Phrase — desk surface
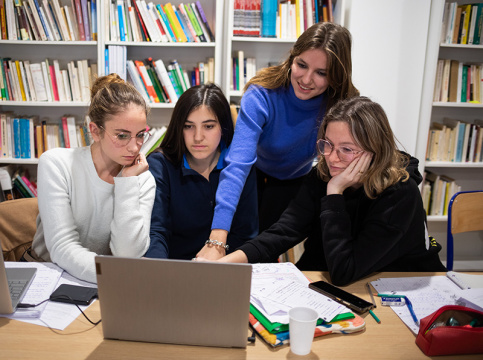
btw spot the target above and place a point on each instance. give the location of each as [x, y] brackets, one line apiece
[390, 339]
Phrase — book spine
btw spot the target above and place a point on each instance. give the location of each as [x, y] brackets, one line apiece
[80, 19]
[205, 21]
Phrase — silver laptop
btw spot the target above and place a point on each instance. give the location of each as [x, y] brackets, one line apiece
[174, 301]
[14, 283]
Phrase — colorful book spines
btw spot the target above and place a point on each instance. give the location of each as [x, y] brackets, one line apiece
[47, 20]
[165, 23]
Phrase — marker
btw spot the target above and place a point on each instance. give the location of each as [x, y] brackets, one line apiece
[374, 316]
[411, 310]
[373, 303]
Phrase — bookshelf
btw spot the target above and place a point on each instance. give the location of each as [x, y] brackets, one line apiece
[266, 50]
[469, 175]
[187, 54]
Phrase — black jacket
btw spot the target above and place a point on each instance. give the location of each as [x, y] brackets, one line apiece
[351, 235]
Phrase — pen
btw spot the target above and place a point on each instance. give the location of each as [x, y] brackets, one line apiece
[391, 295]
[373, 303]
[411, 310]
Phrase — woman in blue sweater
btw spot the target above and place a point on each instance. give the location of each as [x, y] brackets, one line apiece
[276, 129]
[187, 169]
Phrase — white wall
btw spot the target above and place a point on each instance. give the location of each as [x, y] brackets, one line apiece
[388, 58]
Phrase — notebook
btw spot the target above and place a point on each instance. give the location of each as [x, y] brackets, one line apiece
[13, 286]
[174, 301]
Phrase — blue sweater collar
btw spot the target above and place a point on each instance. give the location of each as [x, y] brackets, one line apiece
[310, 104]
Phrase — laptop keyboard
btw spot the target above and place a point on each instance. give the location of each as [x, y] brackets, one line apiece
[16, 287]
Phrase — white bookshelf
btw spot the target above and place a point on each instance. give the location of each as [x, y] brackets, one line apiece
[187, 54]
[469, 175]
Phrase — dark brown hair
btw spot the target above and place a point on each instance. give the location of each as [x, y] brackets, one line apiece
[209, 95]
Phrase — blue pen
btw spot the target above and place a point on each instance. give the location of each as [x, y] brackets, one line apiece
[411, 310]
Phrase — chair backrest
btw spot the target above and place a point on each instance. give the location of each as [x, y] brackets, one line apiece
[17, 226]
[465, 213]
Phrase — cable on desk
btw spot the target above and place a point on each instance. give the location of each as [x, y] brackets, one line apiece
[26, 306]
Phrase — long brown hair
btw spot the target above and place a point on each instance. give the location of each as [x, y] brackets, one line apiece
[371, 131]
[332, 38]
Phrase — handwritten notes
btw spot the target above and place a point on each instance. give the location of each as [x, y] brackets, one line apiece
[278, 287]
[427, 294]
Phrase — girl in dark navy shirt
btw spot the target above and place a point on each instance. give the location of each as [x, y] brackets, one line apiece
[187, 168]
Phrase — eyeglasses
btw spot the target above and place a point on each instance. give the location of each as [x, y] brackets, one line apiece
[345, 153]
[122, 139]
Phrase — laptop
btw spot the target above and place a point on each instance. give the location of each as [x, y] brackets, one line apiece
[14, 283]
[174, 301]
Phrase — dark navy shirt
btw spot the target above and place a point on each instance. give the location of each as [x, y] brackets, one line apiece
[184, 206]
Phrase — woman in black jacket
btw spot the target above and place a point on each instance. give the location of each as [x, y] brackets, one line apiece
[360, 208]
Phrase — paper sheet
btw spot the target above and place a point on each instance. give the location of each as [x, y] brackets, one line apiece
[427, 294]
[42, 285]
[278, 287]
[50, 314]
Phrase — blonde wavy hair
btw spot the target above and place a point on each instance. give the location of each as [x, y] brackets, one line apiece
[371, 131]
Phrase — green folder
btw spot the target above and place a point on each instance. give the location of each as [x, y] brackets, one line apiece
[279, 327]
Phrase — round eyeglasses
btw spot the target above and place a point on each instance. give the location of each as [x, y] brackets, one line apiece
[122, 138]
[344, 153]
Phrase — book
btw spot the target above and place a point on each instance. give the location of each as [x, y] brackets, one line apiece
[163, 76]
[146, 81]
[199, 7]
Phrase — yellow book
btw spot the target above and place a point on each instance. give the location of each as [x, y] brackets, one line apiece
[20, 81]
[466, 24]
[297, 16]
[178, 31]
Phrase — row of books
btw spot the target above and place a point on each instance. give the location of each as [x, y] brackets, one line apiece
[27, 137]
[157, 82]
[457, 81]
[157, 135]
[243, 70]
[16, 183]
[280, 19]
[21, 80]
[135, 20]
[48, 20]
[436, 192]
[455, 141]
[462, 23]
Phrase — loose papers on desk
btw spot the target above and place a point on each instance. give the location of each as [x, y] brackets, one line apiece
[278, 287]
[55, 315]
[426, 293]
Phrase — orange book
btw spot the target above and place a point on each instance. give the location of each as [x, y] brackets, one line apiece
[39, 140]
[146, 80]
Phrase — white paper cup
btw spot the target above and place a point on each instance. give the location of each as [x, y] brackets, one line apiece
[302, 322]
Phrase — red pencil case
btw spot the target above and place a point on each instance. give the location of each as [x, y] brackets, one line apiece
[451, 330]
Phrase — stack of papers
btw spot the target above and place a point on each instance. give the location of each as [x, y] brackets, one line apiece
[278, 287]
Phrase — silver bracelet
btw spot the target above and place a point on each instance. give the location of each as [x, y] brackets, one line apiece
[217, 243]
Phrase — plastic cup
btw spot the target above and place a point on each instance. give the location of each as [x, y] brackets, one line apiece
[302, 322]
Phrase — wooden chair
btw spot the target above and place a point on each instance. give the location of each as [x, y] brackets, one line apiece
[465, 213]
[17, 226]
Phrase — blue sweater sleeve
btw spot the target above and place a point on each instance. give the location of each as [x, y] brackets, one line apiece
[160, 217]
[241, 156]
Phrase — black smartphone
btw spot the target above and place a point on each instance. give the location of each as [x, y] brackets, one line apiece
[74, 294]
[351, 301]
